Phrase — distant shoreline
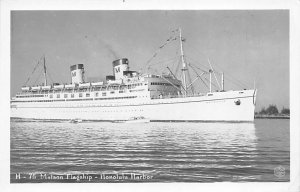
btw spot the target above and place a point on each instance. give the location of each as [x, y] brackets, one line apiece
[272, 116]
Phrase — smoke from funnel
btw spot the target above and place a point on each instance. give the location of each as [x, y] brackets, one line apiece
[110, 49]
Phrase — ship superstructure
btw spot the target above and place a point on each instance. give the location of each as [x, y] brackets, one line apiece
[127, 94]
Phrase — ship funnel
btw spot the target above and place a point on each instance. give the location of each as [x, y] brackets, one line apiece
[119, 66]
[77, 73]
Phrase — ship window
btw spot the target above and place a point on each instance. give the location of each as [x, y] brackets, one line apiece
[80, 94]
[97, 94]
[104, 94]
[65, 95]
[51, 96]
[87, 95]
[72, 95]
[121, 91]
[58, 96]
[112, 92]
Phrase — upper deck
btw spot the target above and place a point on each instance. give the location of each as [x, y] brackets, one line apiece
[147, 86]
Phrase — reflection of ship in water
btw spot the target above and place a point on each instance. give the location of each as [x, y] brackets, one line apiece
[211, 136]
[170, 152]
[215, 145]
[127, 93]
[75, 121]
[139, 119]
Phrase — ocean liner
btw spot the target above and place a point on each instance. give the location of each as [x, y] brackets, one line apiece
[129, 94]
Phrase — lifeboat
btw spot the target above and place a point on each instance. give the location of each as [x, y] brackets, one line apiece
[70, 86]
[116, 82]
[97, 83]
[35, 88]
[84, 85]
[47, 87]
[25, 88]
[59, 86]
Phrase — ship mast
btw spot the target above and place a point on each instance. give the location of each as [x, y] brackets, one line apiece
[183, 63]
[45, 71]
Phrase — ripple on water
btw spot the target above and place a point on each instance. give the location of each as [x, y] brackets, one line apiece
[171, 152]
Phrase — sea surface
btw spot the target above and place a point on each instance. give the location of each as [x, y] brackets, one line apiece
[59, 151]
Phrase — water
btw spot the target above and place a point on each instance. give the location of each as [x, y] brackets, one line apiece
[150, 152]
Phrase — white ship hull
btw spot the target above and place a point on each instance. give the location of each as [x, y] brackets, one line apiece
[127, 94]
[221, 106]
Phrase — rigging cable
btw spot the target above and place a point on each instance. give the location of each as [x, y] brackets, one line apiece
[38, 77]
[199, 76]
[162, 63]
[209, 82]
[228, 77]
[49, 74]
[203, 77]
[214, 73]
[158, 50]
[189, 77]
[233, 80]
[241, 84]
[33, 71]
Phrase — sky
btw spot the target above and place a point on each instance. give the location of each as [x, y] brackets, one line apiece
[250, 46]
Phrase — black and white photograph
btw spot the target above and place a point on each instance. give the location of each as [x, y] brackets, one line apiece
[145, 95]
